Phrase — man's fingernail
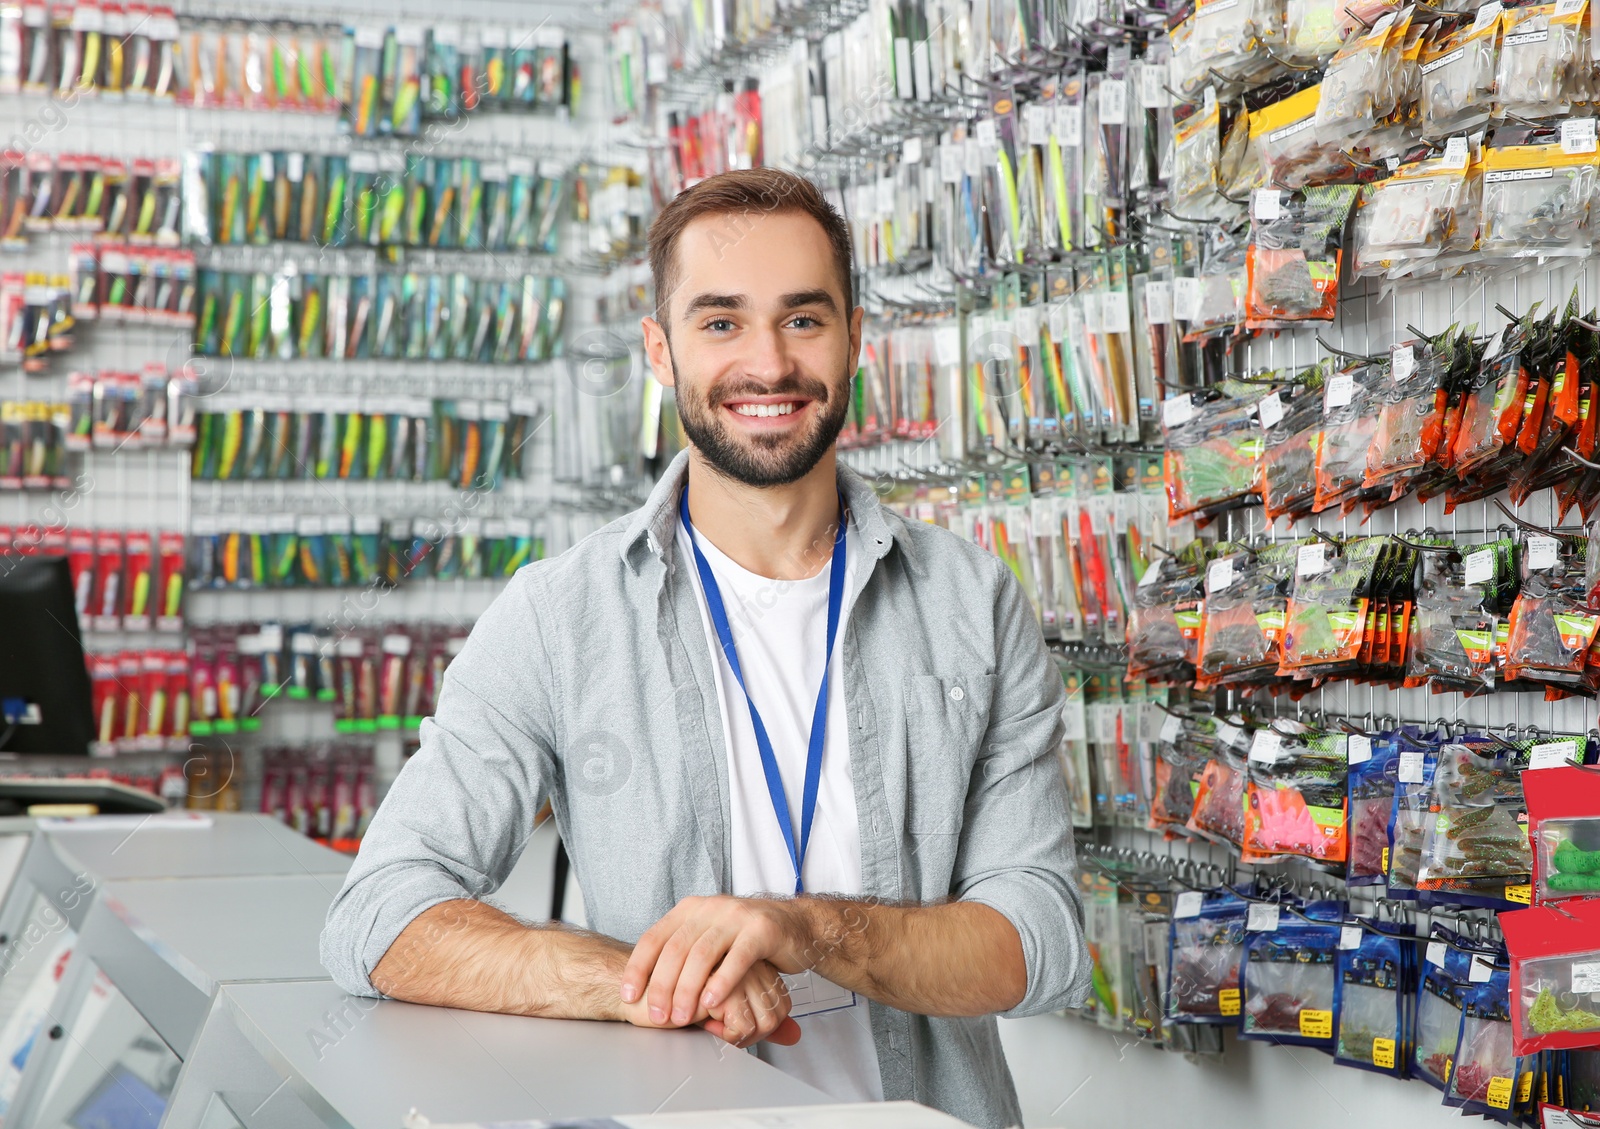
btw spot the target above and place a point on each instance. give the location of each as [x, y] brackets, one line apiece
[658, 1015]
[629, 993]
[708, 1000]
[680, 1016]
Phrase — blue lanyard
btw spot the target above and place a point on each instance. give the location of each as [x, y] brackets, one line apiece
[819, 719]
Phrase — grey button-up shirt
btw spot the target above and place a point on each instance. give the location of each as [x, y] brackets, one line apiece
[590, 683]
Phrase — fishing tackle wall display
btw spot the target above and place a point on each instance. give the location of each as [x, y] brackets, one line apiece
[285, 307]
[1259, 341]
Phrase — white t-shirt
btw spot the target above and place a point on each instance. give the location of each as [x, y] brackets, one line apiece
[779, 630]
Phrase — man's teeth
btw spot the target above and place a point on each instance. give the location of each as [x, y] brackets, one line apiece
[764, 409]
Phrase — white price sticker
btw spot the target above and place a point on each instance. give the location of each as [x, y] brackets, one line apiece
[1270, 410]
[1480, 566]
[1266, 204]
[1158, 302]
[1113, 101]
[1340, 391]
[1487, 15]
[1350, 937]
[1036, 123]
[947, 345]
[1219, 575]
[1311, 559]
[1568, 7]
[1115, 316]
[1585, 977]
[1411, 767]
[1069, 124]
[1152, 88]
[1577, 135]
[1262, 917]
[1186, 298]
[1435, 956]
[950, 163]
[1359, 749]
[1229, 734]
[1552, 754]
[1187, 904]
[1402, 362]
[1177, 410]
[911, 151]
[1481, 969]
[1265, 745]
[1170, 729]
[986, 131]
[1542, 553]
[1455, 154]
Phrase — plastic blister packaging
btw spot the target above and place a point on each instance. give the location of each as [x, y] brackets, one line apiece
[1458, 77]
[1376, 980]
[1484, 1076]
[1206, 953]
[1285, 141]
[1443, 978]
[1555, 975]
[1543, 58]
[1374, 762]
[1296, 249]
[1564, 825]
[1476, 832]
[1290, 983]
[1537, 199]
[1360, 86]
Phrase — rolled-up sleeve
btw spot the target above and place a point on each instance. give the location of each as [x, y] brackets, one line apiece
[460, 812]
[1016, 853]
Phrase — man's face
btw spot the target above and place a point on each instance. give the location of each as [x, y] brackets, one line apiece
[762, 347]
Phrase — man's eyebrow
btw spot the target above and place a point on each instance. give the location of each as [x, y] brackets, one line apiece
[713, 302]
[817, 297]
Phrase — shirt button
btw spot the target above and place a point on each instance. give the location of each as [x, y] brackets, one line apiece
[956, 693]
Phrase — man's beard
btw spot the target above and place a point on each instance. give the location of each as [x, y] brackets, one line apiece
[763, 459]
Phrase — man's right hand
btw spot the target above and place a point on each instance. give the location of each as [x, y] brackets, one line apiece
[756, 1011]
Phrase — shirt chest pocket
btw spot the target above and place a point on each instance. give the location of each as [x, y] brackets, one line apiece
[946, 719]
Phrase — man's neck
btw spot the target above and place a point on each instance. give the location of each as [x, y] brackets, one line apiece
[780, 532]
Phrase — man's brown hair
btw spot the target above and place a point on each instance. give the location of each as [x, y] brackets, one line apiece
[743, 197]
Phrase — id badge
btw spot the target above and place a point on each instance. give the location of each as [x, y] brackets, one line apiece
[810, 994]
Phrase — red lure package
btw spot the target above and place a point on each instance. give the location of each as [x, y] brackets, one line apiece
[1555, 975]
[1564, 828]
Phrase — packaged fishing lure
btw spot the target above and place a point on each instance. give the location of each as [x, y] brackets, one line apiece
[1479, 828]
[1484, 1075]
[1284, 138]
[1207, 950]
[1246, 598]
[1537, 196]
[1197, 149]
[1290, 981]
[1164, 626]
[1361, 86]
[1456, 621]
[1458, 77]
[1349, 425]
[1443, 981]
[1377, 987]
[1218, 813]
[1313, 29]
[1551, 626]
[1327, 613]
[1410, 422]
[1555, 975]
[1564, 824]
[1408, 220]
[1295, 253]
[1374, 762]
[1295, 800]
[1542, 58]
[1211, 461]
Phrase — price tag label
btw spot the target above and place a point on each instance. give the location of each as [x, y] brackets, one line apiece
[1152, 86]
[1177, 410]
[1113, 101]
[1036, 121]
[1480, 566]
[1262, 917]
[1481, 969]
[1585, 977]
[1411, 766]
[1187, 904]
[1340, 390]
[1577, 135]
[1265, 745]
[1435, 954]
[1219, 575]
[1359, 748]
[1455, 154]
[1069, 124]
[1228, 734]
[911, 151]
[1115, 316]
[1350, 937]
[1383, 1054]
[1171, 729]
[1402, 363]
[1498, 1094]
[1186, 298]
[1542, 553]
[986, 135]
[1552, 754]
[1270, 410]
[1522, 895]
[1152, 573]
[1316, 1024]
[1487, 15]
[1266, 204]
[947, 345]
[950, 163]
[1228, 1002]
[1158, 302]
[1311, 559]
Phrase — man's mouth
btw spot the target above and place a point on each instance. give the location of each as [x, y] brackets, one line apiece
[766, 409]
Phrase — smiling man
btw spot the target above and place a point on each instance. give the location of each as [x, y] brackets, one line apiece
[801, 751]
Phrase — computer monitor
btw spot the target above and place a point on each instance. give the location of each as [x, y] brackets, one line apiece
[45, 705]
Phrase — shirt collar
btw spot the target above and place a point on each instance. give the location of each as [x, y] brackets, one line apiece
[652, 525]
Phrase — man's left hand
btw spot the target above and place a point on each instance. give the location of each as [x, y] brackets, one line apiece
[692, 958]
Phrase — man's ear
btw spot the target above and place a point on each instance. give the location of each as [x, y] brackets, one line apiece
[856, 316]
[657, 350]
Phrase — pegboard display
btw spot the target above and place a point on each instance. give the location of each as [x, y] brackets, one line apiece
[1258, 340]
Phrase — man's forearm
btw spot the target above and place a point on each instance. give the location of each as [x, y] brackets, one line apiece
[951, 959]
[470, 955]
